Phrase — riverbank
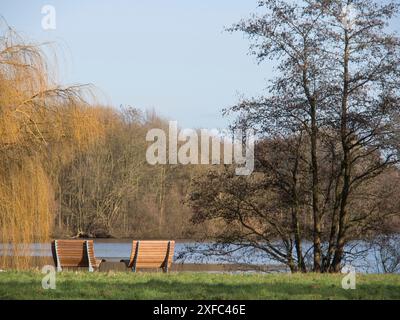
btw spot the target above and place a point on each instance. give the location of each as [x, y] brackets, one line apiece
[194, 256]
[111, 265]
[188, 285]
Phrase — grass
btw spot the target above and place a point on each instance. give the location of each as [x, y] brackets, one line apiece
[123, 285]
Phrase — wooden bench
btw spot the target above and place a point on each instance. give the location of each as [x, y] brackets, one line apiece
[74, 253]
[151, 255]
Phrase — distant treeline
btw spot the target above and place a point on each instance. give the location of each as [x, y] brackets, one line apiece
[73, 168]
[109, 189]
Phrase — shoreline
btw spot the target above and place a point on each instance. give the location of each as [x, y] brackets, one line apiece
[115, 265]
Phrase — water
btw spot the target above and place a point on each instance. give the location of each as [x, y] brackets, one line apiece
[209, 253]
[107, 249]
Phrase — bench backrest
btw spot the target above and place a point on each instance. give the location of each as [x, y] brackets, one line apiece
[151, 254]
[73, 253]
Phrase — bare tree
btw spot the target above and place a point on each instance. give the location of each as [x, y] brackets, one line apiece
[338, 84]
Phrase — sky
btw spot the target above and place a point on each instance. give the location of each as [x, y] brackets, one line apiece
[171, 56]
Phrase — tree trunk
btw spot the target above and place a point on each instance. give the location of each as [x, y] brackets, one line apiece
[161, 203]
[314, 169]
[295, 221]
[346, 163]
[315, 190]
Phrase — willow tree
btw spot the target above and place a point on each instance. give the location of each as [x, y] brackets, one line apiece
[40, 123]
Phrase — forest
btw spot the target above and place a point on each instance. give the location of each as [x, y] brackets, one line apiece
[73, 168]
[326, 156]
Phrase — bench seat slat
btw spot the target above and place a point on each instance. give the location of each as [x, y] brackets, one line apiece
[74, 253]
[152, 254]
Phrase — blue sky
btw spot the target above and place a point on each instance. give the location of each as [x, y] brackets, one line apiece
[173, 56]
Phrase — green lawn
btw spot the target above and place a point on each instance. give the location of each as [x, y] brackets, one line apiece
[123, 285]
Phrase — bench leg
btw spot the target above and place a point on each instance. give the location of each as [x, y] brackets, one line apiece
[165, 269]
[58, 263]
[136, 256]
[90, 266]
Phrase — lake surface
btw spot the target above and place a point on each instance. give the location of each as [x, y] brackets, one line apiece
[201, 253]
